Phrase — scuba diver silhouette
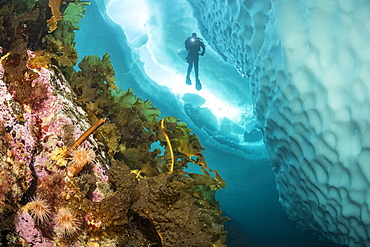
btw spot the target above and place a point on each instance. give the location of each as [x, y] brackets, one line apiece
[193, 45]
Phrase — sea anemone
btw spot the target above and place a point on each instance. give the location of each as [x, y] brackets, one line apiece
[39, 209]
[65, 222]
[79, 158]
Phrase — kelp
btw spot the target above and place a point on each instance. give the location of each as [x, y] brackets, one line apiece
[56, 15]
[133, 127]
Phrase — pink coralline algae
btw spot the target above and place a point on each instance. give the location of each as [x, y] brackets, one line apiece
[32, 129]
[25, 226]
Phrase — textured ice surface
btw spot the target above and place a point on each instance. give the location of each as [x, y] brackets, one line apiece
[308, 63]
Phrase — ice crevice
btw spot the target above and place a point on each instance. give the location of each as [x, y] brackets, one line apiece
[154, 36]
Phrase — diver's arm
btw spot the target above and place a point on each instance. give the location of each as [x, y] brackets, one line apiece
[203, 48]
[187, 43]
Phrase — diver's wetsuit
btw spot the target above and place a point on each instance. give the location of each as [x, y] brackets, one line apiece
[193, 45]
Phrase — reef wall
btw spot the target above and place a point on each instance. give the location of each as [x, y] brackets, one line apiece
[83, 162]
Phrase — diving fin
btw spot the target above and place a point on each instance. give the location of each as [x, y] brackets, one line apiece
[198, 85]
[188, 81]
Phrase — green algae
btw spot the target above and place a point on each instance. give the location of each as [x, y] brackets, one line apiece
[182, 198]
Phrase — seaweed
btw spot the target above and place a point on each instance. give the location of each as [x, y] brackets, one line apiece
[168, 198]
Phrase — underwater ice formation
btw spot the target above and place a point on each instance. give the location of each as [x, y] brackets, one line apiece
[307, 62]
[222, 111]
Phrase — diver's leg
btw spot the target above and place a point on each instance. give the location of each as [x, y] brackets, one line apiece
[198, 85]
[190, 67]
[196, 68]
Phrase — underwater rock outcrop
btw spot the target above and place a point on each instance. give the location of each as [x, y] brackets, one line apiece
[83, 162]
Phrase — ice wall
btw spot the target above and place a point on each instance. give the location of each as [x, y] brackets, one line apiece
[307, 62]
